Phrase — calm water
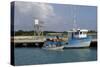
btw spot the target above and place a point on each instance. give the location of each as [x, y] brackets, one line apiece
[27, 56]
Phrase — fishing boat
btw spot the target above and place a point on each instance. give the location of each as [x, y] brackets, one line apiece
[78, 38]
[53, 44]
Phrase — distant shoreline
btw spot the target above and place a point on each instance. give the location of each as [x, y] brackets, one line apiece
[30, 33]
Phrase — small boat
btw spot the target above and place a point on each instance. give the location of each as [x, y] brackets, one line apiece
[78, 38]
[53, 44]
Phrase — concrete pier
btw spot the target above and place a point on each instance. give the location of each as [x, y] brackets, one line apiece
[28, 41]
[39, 45]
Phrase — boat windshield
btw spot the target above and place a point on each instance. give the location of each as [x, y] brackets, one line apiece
[76, 33]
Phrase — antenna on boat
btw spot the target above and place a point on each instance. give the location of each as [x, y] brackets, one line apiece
[74, 18]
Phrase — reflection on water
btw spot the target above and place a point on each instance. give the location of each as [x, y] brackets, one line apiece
[26, 56]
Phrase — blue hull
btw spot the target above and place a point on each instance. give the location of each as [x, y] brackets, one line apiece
[76, 43]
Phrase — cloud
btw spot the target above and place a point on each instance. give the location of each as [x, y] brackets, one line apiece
[37, 10]
[55, 17]
[26, 12]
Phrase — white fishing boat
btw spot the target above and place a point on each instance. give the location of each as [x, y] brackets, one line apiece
[77, 37]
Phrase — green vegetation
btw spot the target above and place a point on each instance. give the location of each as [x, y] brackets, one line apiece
[31, 33]
[92, 32]
[24, 33]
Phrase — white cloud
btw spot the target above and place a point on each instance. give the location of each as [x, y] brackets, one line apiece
[38, 10]
[26, 12]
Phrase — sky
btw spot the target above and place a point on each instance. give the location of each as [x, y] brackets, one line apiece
[55, 17]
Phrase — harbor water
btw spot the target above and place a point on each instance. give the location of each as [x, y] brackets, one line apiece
[31, 56]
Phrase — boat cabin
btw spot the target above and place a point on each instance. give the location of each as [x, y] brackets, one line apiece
[78, 33]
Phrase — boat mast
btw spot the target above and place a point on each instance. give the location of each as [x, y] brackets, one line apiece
[74, 18]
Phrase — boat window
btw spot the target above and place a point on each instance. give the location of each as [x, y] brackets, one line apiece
[76, 33]
[84, 32]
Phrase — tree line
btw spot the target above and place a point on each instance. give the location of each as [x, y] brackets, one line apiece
[31, 33]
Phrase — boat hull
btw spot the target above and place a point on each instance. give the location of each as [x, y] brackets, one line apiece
[78, 45]
[53, 48]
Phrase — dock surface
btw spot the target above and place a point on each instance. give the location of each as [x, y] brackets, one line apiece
[28, 39]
